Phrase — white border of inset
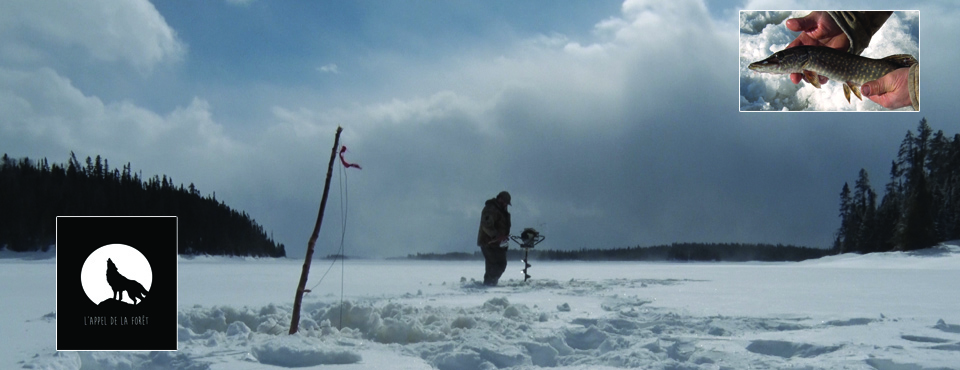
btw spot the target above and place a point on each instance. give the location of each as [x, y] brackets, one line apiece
[739, 75]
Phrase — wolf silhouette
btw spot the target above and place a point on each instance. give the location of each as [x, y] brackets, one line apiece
[119, 284]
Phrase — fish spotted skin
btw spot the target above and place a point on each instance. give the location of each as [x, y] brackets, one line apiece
[851, 70]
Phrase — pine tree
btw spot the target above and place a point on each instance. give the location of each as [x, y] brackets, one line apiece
[7, 163]
[915, 230]
[33, 193]
[98, 168]
[88, 171]
[844, 236]
[864, 206]
[943, 178]
[73, 167]
[888, 213]
[952, 190]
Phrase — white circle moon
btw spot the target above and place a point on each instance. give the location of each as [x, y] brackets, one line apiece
[130, 263]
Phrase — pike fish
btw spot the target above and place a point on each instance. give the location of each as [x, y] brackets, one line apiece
[851, 70]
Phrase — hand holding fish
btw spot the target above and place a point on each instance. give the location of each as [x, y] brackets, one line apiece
[890, 91]
[829, 47]
[816, 29]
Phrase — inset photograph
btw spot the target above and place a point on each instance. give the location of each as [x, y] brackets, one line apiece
[829, 61]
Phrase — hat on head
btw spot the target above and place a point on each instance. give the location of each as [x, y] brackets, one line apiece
[504, 196]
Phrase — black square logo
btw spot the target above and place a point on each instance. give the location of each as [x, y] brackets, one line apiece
[116, 283]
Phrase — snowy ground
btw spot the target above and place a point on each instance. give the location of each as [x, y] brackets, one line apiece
[763, 33]
[884, 311]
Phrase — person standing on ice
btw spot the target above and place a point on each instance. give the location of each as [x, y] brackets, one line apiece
[494, 230]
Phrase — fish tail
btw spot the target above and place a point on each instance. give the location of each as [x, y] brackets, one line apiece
[901, 60]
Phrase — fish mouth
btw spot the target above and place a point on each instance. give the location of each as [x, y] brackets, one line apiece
[769, 64]
[763, 66]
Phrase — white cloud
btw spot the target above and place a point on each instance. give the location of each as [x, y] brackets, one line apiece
[781, 5]
[46, 115]
[131, 31]
[240, 2]
[329, 68]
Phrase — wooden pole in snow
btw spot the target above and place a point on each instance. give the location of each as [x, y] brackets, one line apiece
[295, 321]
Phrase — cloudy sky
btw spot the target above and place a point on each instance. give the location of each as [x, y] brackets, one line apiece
[612, 123]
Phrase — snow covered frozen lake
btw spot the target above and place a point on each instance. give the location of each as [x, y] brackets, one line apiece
[882, 311]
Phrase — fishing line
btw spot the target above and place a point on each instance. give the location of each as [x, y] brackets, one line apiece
[343, 232]
[344, 198]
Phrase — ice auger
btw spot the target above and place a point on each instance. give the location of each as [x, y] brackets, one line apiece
[527, 240]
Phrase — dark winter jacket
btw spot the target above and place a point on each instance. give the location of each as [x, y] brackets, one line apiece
[494, 223]
[859, 26]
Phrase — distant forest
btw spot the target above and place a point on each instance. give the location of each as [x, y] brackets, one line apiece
[33, 193]
[921, 203]
[694, 252]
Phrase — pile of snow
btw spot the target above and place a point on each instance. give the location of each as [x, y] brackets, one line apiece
[764, 33]
[924, 258]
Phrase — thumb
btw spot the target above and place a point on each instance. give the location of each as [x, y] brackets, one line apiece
[876, 87]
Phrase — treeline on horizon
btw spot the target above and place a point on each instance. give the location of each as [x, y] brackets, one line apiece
[921, 202]
[33, 193]
[684, 252]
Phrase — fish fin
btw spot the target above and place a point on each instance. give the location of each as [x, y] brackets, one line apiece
[855, 89]
[812, 78]
[846, 92]
[902, 60]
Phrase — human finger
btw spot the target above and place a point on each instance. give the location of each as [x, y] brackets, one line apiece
[890, 91]
[804, 23]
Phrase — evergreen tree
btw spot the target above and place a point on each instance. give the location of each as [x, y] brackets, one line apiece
[888, 213]
[844, 235]
[943, 177]
[915, 230]
[32, 194]
[952, 190]
[98, 168]
[864, 207]
[921, 205]
[73, 168]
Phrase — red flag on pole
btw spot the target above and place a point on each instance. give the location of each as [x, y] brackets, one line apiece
[344, 161]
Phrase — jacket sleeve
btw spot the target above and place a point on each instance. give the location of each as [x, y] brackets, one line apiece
[913, 84]
[859, 26]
